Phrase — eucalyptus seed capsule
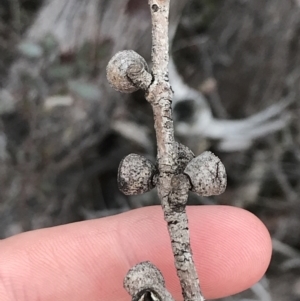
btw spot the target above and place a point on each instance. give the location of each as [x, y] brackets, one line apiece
[135, 175]
[125, 70]
[184, 156]
[207, 174]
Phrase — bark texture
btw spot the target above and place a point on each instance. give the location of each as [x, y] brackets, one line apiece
[159, 95]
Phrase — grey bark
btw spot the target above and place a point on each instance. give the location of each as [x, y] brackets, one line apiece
[172, 190]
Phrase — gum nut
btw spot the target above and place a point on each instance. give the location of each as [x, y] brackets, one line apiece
[207, 174]
[185, 155]
[116, 71]
[143, 275]
[135, 175]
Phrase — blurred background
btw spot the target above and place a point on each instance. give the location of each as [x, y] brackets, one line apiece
[63, 130]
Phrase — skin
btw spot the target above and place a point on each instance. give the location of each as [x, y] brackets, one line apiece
[88, 260]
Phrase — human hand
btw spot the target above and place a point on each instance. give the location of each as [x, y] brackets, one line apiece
[88, 260]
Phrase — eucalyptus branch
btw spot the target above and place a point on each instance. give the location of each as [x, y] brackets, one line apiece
[177, 170]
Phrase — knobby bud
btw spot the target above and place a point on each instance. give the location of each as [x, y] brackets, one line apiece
[135, 175]
[128, 72]
[207, 174]
[184, 156]
[144, 282]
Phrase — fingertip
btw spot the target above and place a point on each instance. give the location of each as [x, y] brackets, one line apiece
[231, 248]
[239, 251]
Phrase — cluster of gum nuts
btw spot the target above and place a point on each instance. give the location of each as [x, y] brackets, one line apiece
[137, 174]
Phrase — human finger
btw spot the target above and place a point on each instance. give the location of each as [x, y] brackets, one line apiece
[88, 260]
